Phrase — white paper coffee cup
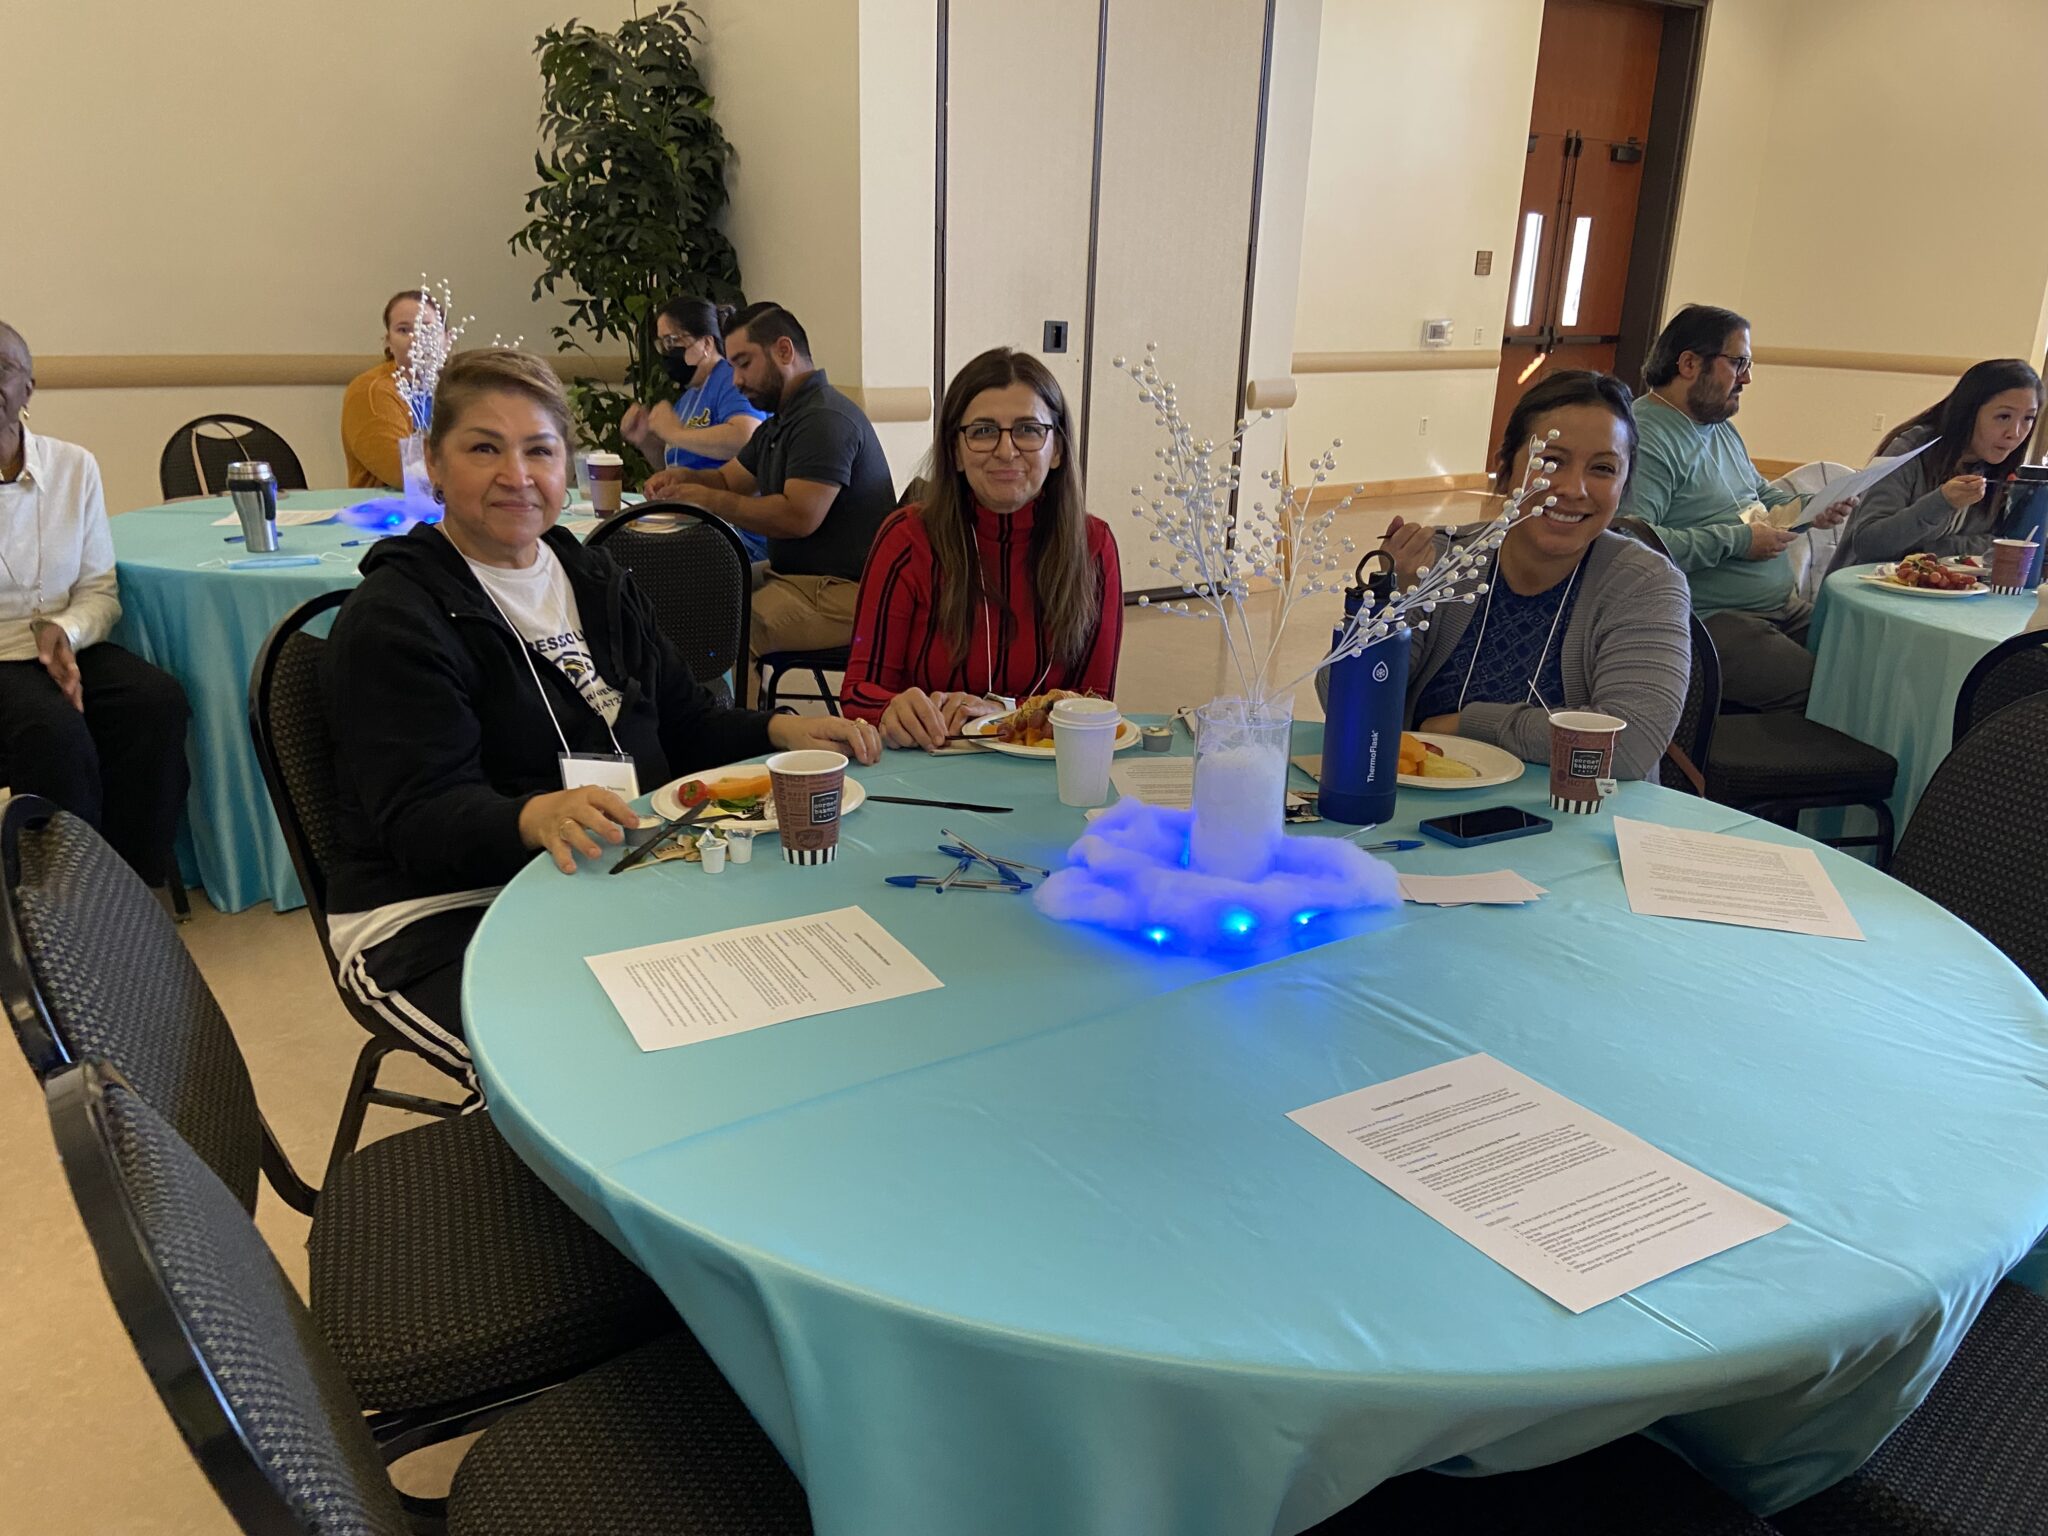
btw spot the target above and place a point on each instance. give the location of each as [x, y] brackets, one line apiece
[1083, 742]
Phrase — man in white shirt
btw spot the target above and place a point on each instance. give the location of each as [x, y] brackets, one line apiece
[82, 722]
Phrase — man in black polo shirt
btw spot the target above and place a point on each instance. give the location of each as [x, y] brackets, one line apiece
[812, 480]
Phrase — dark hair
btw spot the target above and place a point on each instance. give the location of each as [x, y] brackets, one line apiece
[697, 317]
[419, 295]
[469, 377]
[1700, 328]
[1064, 582]
[1954, 416]
[1572, 386]
[768, 323]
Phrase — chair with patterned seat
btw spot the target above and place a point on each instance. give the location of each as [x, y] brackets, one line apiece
[2007, 673]
[1968, 1461]
[1776, 766]
[1977, 843]
[195, 461]
[288, 727]
[1631, 1487]
[695, 572]
[446, 1277]
[652, 1441]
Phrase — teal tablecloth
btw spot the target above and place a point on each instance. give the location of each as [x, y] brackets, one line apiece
[203, 622]
[1888, 665]
[1040, 1252]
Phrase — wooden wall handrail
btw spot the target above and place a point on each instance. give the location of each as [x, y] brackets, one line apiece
[224, 370]
[1861, 362]
[217, 370]
[1442, 358]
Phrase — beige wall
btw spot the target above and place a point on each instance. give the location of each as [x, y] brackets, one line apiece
[1859, 181]
[249, 177]
[1421, 119]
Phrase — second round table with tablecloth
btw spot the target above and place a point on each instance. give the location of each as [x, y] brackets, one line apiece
[1040, 1250]
[1888, 666]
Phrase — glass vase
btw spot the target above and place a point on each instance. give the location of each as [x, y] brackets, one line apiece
[419, 490]
[1241, 748]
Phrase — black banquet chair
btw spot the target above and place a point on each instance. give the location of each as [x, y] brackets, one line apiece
[445, 1276]
[654, 1440]
[695, 571]
[288, 726]
[1776, 766]
[195, 461]
[1977, 843]
[1968, 1461]
[1684, 764]
[2007, 673]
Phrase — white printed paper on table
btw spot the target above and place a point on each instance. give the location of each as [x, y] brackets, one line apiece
[1568, 1201]
[287, 517]
[1710, 877]
[1168, 781]
[686, 990]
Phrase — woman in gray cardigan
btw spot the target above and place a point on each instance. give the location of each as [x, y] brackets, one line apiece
[1942, 503]
[1573, 617]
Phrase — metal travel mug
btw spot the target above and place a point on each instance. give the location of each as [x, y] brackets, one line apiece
[253, 489]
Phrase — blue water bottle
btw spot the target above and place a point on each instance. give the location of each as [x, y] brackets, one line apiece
[1367, 700]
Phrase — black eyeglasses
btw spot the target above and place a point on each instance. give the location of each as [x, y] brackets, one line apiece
[1026, 436]
[668, 346]
[1739, 364]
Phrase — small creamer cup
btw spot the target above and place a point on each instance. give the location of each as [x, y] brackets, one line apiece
[808, 788]
[739, 846]
[1083, 741]
[1582, 760]
[606, 473]
[711, 851]
[2015, 564]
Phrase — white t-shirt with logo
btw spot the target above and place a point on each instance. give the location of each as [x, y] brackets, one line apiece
[539, 603]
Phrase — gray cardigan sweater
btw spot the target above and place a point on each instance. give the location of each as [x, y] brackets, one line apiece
[1627, 653]
[1905, 514]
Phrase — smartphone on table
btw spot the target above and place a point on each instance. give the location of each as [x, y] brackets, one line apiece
[1496, 824]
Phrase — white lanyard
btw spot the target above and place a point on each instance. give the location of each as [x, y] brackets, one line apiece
[546, 703]
[988, 649]
[1480, 644]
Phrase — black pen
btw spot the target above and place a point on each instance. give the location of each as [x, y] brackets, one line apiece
[945, 805]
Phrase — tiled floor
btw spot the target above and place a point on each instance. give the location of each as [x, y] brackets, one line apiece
[85, 1448]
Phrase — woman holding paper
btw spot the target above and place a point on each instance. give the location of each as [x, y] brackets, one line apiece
[496, 690]
[1942, 502]
[1573, 617]
[1000, 585]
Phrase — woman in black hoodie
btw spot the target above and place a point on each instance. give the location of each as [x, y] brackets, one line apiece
[497, 690]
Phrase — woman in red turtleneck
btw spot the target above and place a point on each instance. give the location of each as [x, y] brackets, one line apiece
[1000, 584]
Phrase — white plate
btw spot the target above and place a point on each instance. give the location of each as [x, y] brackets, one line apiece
[982, 731]
[1881, 577]
[665, 804]
[1495, 766]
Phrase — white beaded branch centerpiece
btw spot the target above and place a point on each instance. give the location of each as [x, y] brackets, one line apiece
[1225, 872]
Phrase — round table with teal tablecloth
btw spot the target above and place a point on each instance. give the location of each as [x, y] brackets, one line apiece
[1040, 1251]
[184, 608]
[1888, 666]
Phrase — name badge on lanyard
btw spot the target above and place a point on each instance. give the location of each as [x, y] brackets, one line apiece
[601, 770]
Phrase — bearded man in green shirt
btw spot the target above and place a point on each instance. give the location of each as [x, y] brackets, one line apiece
[1693, 480]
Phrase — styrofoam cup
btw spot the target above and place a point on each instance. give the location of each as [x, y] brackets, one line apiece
[1083, 741]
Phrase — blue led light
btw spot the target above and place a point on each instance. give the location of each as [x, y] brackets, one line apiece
[1238, 922]
[1158, 935]
[1303, 919]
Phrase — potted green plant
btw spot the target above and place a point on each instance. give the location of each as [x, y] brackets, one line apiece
[632, 184]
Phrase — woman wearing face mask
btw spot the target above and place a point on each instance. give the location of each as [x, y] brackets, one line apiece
[497, 690]
[1573, 617]
[1944, 502]
[711, 420]
[1000, 584]
[374, 416]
